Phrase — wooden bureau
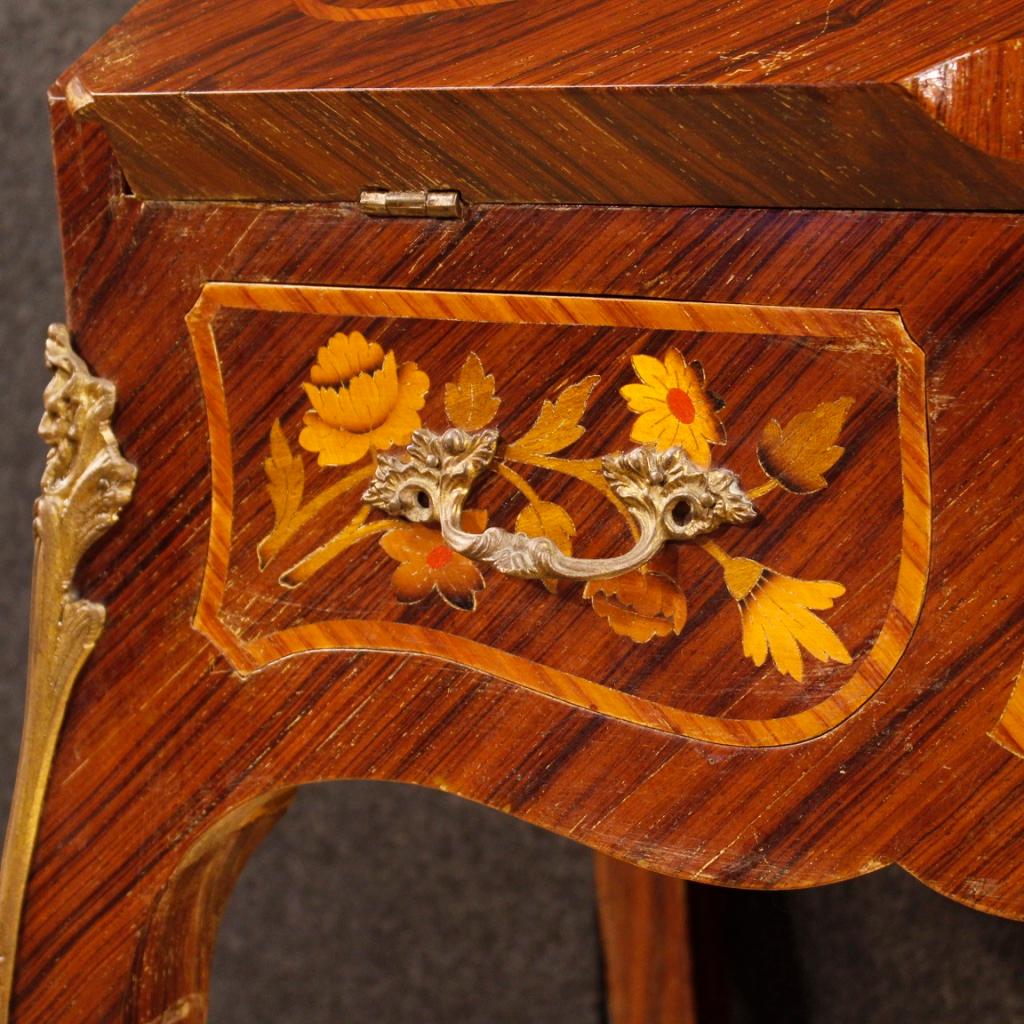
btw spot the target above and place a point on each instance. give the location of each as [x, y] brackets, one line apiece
[609, 413]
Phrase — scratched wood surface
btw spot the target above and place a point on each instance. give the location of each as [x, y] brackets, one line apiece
[810, 103]
[171, 764]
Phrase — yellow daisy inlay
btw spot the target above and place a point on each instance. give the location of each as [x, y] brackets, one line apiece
[672, 406]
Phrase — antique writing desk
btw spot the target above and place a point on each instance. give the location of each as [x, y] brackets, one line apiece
[608, 412]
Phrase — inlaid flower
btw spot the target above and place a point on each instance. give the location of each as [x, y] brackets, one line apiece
[362, 399]
[428, 565]
[777, 613]
[640, 605]
[673, 407]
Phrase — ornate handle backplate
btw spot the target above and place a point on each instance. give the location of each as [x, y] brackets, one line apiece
[668, 495]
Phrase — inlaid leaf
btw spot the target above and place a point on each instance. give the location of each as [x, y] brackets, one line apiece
[558, 424]
[799, 454]
[639, 605]
[546, 519]
[779, 617]
[286, 479]
[470, 401]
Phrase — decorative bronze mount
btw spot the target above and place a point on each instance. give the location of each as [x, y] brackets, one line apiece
[668, 495]
[85, 485]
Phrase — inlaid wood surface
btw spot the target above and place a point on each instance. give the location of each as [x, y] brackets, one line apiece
[252, 590]
[166, 745]
[808, 103]
[526, 42]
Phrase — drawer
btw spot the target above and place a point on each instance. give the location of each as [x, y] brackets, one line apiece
[818, 666]
[768, 628]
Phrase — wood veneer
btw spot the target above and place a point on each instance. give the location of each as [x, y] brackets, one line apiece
[699, 103]
[193, 720]
[913, 777]
[529, 660]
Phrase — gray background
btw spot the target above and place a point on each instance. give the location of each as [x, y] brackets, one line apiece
[382, 903]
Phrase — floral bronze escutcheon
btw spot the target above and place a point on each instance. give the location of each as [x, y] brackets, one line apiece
[667, 494]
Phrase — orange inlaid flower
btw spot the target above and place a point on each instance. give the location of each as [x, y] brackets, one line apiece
[673, 407]
[362, 400]
[777, 613]
[640, 605]
[427, 564]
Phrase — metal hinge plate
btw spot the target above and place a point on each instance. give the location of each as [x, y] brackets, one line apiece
[443, 205]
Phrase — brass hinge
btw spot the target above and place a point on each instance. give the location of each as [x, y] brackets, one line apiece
[411, 204]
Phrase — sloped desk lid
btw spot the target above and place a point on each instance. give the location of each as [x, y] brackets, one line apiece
[812, 103]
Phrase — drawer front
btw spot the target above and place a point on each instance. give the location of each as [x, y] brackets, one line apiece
[760, 633]
[527, 697]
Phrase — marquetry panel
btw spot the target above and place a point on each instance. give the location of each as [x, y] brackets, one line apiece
[763, 634]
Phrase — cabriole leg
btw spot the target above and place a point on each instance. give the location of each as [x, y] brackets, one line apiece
[645, 936]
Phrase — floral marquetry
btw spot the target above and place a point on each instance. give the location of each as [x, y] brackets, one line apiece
[640, 605]
[673, 406]
[799, 455]
[470, 401]
[349, 552]
[778, 617]
[427, 565]
[361, 399]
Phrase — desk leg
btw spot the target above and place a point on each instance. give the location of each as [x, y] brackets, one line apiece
[171, 977]
[645, 936]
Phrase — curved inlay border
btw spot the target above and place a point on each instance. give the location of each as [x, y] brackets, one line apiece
[884, 329]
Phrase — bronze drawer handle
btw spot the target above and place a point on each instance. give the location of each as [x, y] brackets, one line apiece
[669, 496]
